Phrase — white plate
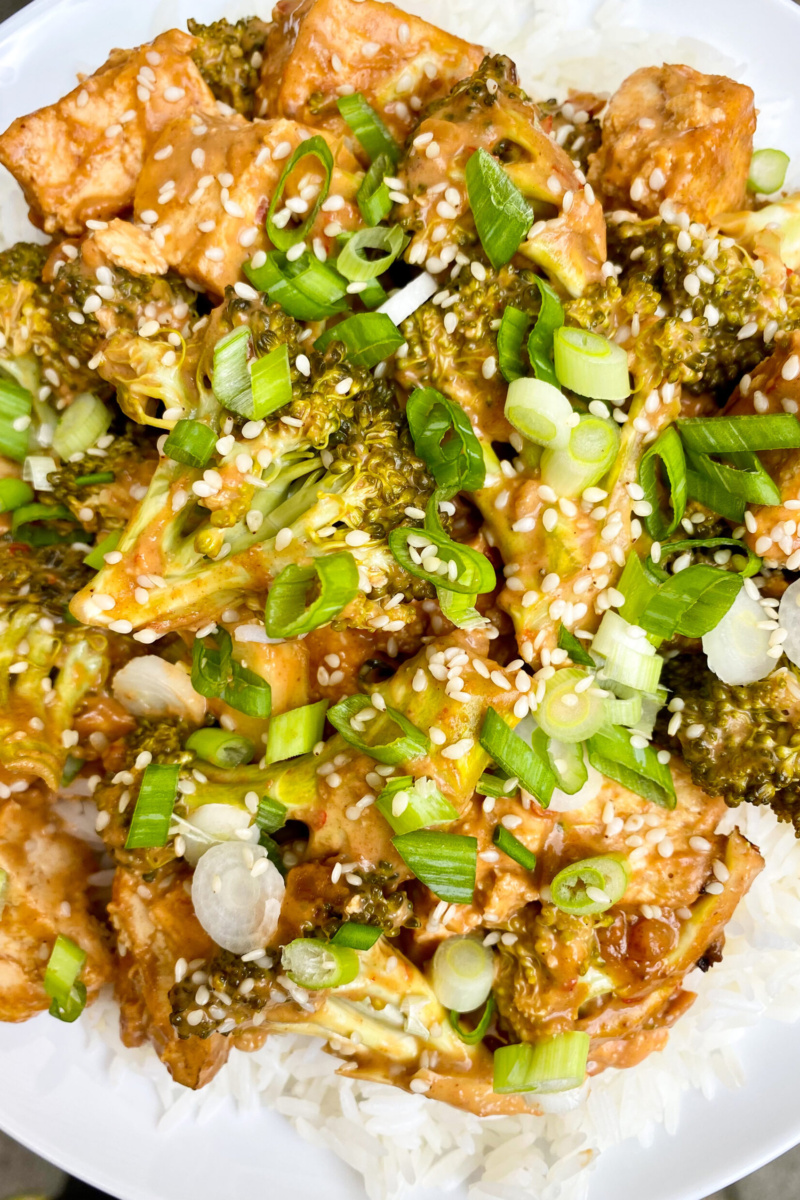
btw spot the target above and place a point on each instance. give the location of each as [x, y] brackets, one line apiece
[56, 1095]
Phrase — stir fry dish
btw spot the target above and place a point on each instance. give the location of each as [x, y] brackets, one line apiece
[400, 554]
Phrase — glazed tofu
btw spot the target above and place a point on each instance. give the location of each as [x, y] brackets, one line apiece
[671, 133]
[774, 387]
[206, 200]
[156, 927]
[319, 50]
[45, 896]
[79, 159]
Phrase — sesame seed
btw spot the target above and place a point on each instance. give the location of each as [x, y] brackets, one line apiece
[791, 368]
[173, 94]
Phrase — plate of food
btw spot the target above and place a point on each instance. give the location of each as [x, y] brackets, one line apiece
[400, 572]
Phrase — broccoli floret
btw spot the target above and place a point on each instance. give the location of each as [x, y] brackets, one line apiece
[749, 747]
[42, 294]
[46, 576]
[226, 973]
[490, 112]
[60, 666]
[336, 459]
[229, 58]
[100, 483]
[687, 337]
[453, 357]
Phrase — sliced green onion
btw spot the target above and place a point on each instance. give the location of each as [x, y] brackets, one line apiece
[96, 557]
[14, 493]
[15, 402]
[190, 442]
[231, 373]
[412, 742]
[574, 889]
[729, 435]
[357, 937]
[217, 676]
[552, 1065]
[80, 425]
[368, 338]
[592, 449]
[26, 526]
[271, 815]
[314, 147]
[566, 761]
[502, 215]
[154, 805]
[445, 862]
[409, 804]
[473, 572]
[471, 1037]
[516, 758]
[668, 451]
[287, 613]
[352, 262]
[368, 127]
[221, 748]
[95, 478]
[590, 364]
[627, 712]
[706, 491]
[60, 980]
[273, 853]
[462, 973]
[460, 609]
[635, 668]
[540, 412]
[574, 648]
[767, 171]
[305, 288]
[445, 440]
[514, 326]
[567, 714]
[373, 197]
[272, 382]
[747, 477]
[611, 753]
[540, 340]
[504, 840]
[296, 731]
[314, 964]
[498, 786]
[373, 294]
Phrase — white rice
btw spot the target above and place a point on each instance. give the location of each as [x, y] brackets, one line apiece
[398, 1141]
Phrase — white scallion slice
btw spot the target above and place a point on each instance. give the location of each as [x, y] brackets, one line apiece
[35, 470]
[149, 686]
[211, 824]
[409, 298]
[463, 971]
[591, 365]
[236, 899]
[767, 171]
[561, 802]
[736, 648]
[615, 630]
[789, 618]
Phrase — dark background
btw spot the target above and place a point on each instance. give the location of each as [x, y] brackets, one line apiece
[22, 1174]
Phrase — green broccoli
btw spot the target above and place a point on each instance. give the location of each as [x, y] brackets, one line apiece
[96, 487]
[46, 672]
[739, 742]
[333, 469]
[687, 337]
[44, 575]
[229, 57]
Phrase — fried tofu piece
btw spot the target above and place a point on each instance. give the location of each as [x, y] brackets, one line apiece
[156, 927]
[769, 390]
[397, 61]
[671, 133]
[79, 159]
[224, 172]
[47, 871]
